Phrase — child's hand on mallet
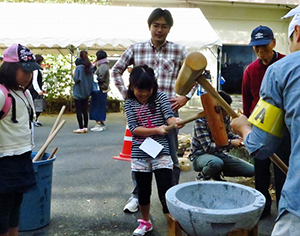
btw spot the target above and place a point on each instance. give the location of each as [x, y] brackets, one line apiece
[178, 123]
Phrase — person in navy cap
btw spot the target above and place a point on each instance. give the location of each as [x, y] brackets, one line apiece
[263, 43]
[280, 92]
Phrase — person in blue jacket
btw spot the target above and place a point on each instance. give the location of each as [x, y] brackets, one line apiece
[83, 87]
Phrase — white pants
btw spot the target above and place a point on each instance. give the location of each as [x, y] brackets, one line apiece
[287, 225]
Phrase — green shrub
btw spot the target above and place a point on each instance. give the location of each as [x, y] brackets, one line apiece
[58, 82]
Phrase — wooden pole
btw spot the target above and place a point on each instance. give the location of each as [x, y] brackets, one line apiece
[57, 119]
[208, 88]
[52, 153]
[41, 152]
[187, 120]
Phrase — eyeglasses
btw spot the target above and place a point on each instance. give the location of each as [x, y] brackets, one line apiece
[162, 26]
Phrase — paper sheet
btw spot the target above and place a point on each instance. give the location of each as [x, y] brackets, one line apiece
[151, 147]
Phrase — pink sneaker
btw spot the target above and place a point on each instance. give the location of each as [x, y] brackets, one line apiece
[144, 227]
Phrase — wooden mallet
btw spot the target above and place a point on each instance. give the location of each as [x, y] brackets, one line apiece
[191, 73]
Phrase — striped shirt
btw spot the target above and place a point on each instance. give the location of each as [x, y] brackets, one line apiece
[139, 115]
[165, 61]
[202, 138]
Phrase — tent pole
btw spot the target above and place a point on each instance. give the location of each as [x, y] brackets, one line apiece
[219, 67]
[72, 59]
[71, 50]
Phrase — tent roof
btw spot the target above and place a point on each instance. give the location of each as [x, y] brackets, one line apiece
[58, 26]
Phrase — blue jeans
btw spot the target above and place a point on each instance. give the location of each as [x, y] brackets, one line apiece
[212, 165]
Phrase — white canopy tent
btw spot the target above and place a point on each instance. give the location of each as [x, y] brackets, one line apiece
[68, 28]
[58, 26]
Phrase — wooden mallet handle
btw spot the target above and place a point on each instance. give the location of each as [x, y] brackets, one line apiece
[208, 88]
[187, 120]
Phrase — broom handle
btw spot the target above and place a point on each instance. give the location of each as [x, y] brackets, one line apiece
[41, 152]
[52, 153]
[57, 119]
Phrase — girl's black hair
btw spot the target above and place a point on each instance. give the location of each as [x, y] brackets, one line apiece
[142, 77]
[86, 61]
[8, 73]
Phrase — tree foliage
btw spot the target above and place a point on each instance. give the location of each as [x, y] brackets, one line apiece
[58, 82]
[57, 76]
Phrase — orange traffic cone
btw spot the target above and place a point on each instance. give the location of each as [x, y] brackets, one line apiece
[126, 151]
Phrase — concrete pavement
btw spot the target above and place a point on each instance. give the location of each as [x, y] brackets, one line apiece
[90, 189]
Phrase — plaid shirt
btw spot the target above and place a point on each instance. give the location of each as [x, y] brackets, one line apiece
[202, 139]
[165, 61]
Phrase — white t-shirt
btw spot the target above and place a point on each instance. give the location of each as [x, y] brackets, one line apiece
[16, 138]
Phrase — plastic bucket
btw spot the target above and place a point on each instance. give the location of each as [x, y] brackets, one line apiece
[36, 205]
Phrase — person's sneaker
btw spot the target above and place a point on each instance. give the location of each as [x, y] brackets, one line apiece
[144, 227]
[98, 127]
[132, 205]
[219, 178]
[85, 130]
[201, 177]
[37, 124]
[78, 131]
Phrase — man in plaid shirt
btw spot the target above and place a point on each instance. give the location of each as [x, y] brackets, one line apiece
[165, 58]
[210, 160]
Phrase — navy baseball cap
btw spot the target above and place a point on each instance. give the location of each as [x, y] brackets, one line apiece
[261, 35]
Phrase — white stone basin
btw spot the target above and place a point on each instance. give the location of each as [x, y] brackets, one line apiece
[213, 208]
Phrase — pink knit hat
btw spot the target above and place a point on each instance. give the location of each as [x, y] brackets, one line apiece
[21, 55]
